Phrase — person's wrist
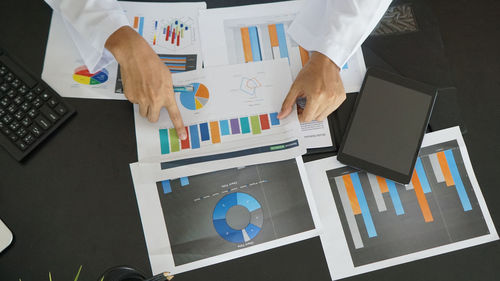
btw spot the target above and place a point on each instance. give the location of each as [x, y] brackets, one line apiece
[120, 42]
[324, 61]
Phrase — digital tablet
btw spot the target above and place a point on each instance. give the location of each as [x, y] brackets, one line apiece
[387, 125]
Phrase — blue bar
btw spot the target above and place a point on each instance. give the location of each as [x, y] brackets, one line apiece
[462, 194]
[245, 125]
[170, 57]
[395, 197]
[345, 66]
[280, 30]
[365, 211]
[184, 181]
[224, 127]
[195, 138]
[274, 118]
[141, 25]
[156, 24]
[254, 43]
[166, 186]
[164, 145]
[205, 135]
[422, 176]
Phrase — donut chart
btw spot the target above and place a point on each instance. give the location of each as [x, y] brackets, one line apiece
[83, 76]
[194, 96]
[250, 229]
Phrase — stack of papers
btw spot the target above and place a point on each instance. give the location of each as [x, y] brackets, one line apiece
[237, 185]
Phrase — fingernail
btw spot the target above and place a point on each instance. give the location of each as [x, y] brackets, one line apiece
[183, 136]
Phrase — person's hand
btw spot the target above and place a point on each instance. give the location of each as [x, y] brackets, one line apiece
[146, 80]
[320, 83]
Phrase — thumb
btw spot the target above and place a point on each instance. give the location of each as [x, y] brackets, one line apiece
[290, 100]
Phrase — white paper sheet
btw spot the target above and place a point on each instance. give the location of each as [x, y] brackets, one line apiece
[64, 70]
[222, 43]
[181, 218]
[234, 109]
[457, 216]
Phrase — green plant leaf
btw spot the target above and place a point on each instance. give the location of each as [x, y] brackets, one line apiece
[78, 274]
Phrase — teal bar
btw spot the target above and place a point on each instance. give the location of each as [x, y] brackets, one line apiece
[164, 145]
[245, 125]
[224, 127]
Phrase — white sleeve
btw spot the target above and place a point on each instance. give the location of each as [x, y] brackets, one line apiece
[90, 23]
[336, 28]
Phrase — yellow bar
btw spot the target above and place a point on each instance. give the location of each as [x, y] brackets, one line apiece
[214, 132]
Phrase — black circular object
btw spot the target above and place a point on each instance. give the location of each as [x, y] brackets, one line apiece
[122, 273]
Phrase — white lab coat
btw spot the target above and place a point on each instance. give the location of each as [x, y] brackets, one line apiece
[336, 28]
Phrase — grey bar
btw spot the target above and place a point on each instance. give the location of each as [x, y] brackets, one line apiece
[265, 46]
[349, 214]
[377, 194]
[436, 167]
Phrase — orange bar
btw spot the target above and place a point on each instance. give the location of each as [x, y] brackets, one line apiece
[422, 201]
[444, 167]
[136, 22]
[273, 35]
[247, 48]
[304, 55]
[214, 132]
[351, 194]
[382, 184]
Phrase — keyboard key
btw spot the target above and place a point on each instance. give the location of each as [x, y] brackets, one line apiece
[52, 102]
[39, 89]
[26, 121]
[11, 93]
[13, 137]
[18, 100]
[19, 114]
[21, 145]
[3, 70]
[25, 106]
[23, 89]
[32, 113]
[7, 119]
[4, 102]
[2, 112]
[45, 96]
[16, 83]
[4, 87]
[21, 132]
[6, 131]
[14, 126]
[36, 130]
[2, 125]
[37, 102]
[9, 77]
[61, 109]
[29, 139]
[29, 96]
[42, 122]
[49, 113]
[12, 108]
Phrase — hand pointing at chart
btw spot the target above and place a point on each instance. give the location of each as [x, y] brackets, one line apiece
[320, 83]
[146, 80]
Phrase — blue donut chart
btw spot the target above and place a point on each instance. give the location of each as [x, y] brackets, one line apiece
[238, 235]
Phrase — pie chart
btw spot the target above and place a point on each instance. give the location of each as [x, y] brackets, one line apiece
[238, 217]
[83, 76]
[193, 96]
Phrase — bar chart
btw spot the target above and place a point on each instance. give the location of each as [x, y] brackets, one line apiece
[214, 132]
[384, 219]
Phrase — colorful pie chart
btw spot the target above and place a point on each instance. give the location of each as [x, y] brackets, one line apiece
[194, 96]
[238, 217]
[83, 76]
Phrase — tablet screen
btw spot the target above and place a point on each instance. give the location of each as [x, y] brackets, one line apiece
[387, 125]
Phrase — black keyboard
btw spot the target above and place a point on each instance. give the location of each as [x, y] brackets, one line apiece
[29, 109]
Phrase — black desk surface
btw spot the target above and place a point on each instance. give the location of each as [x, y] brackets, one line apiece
[73, 202]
